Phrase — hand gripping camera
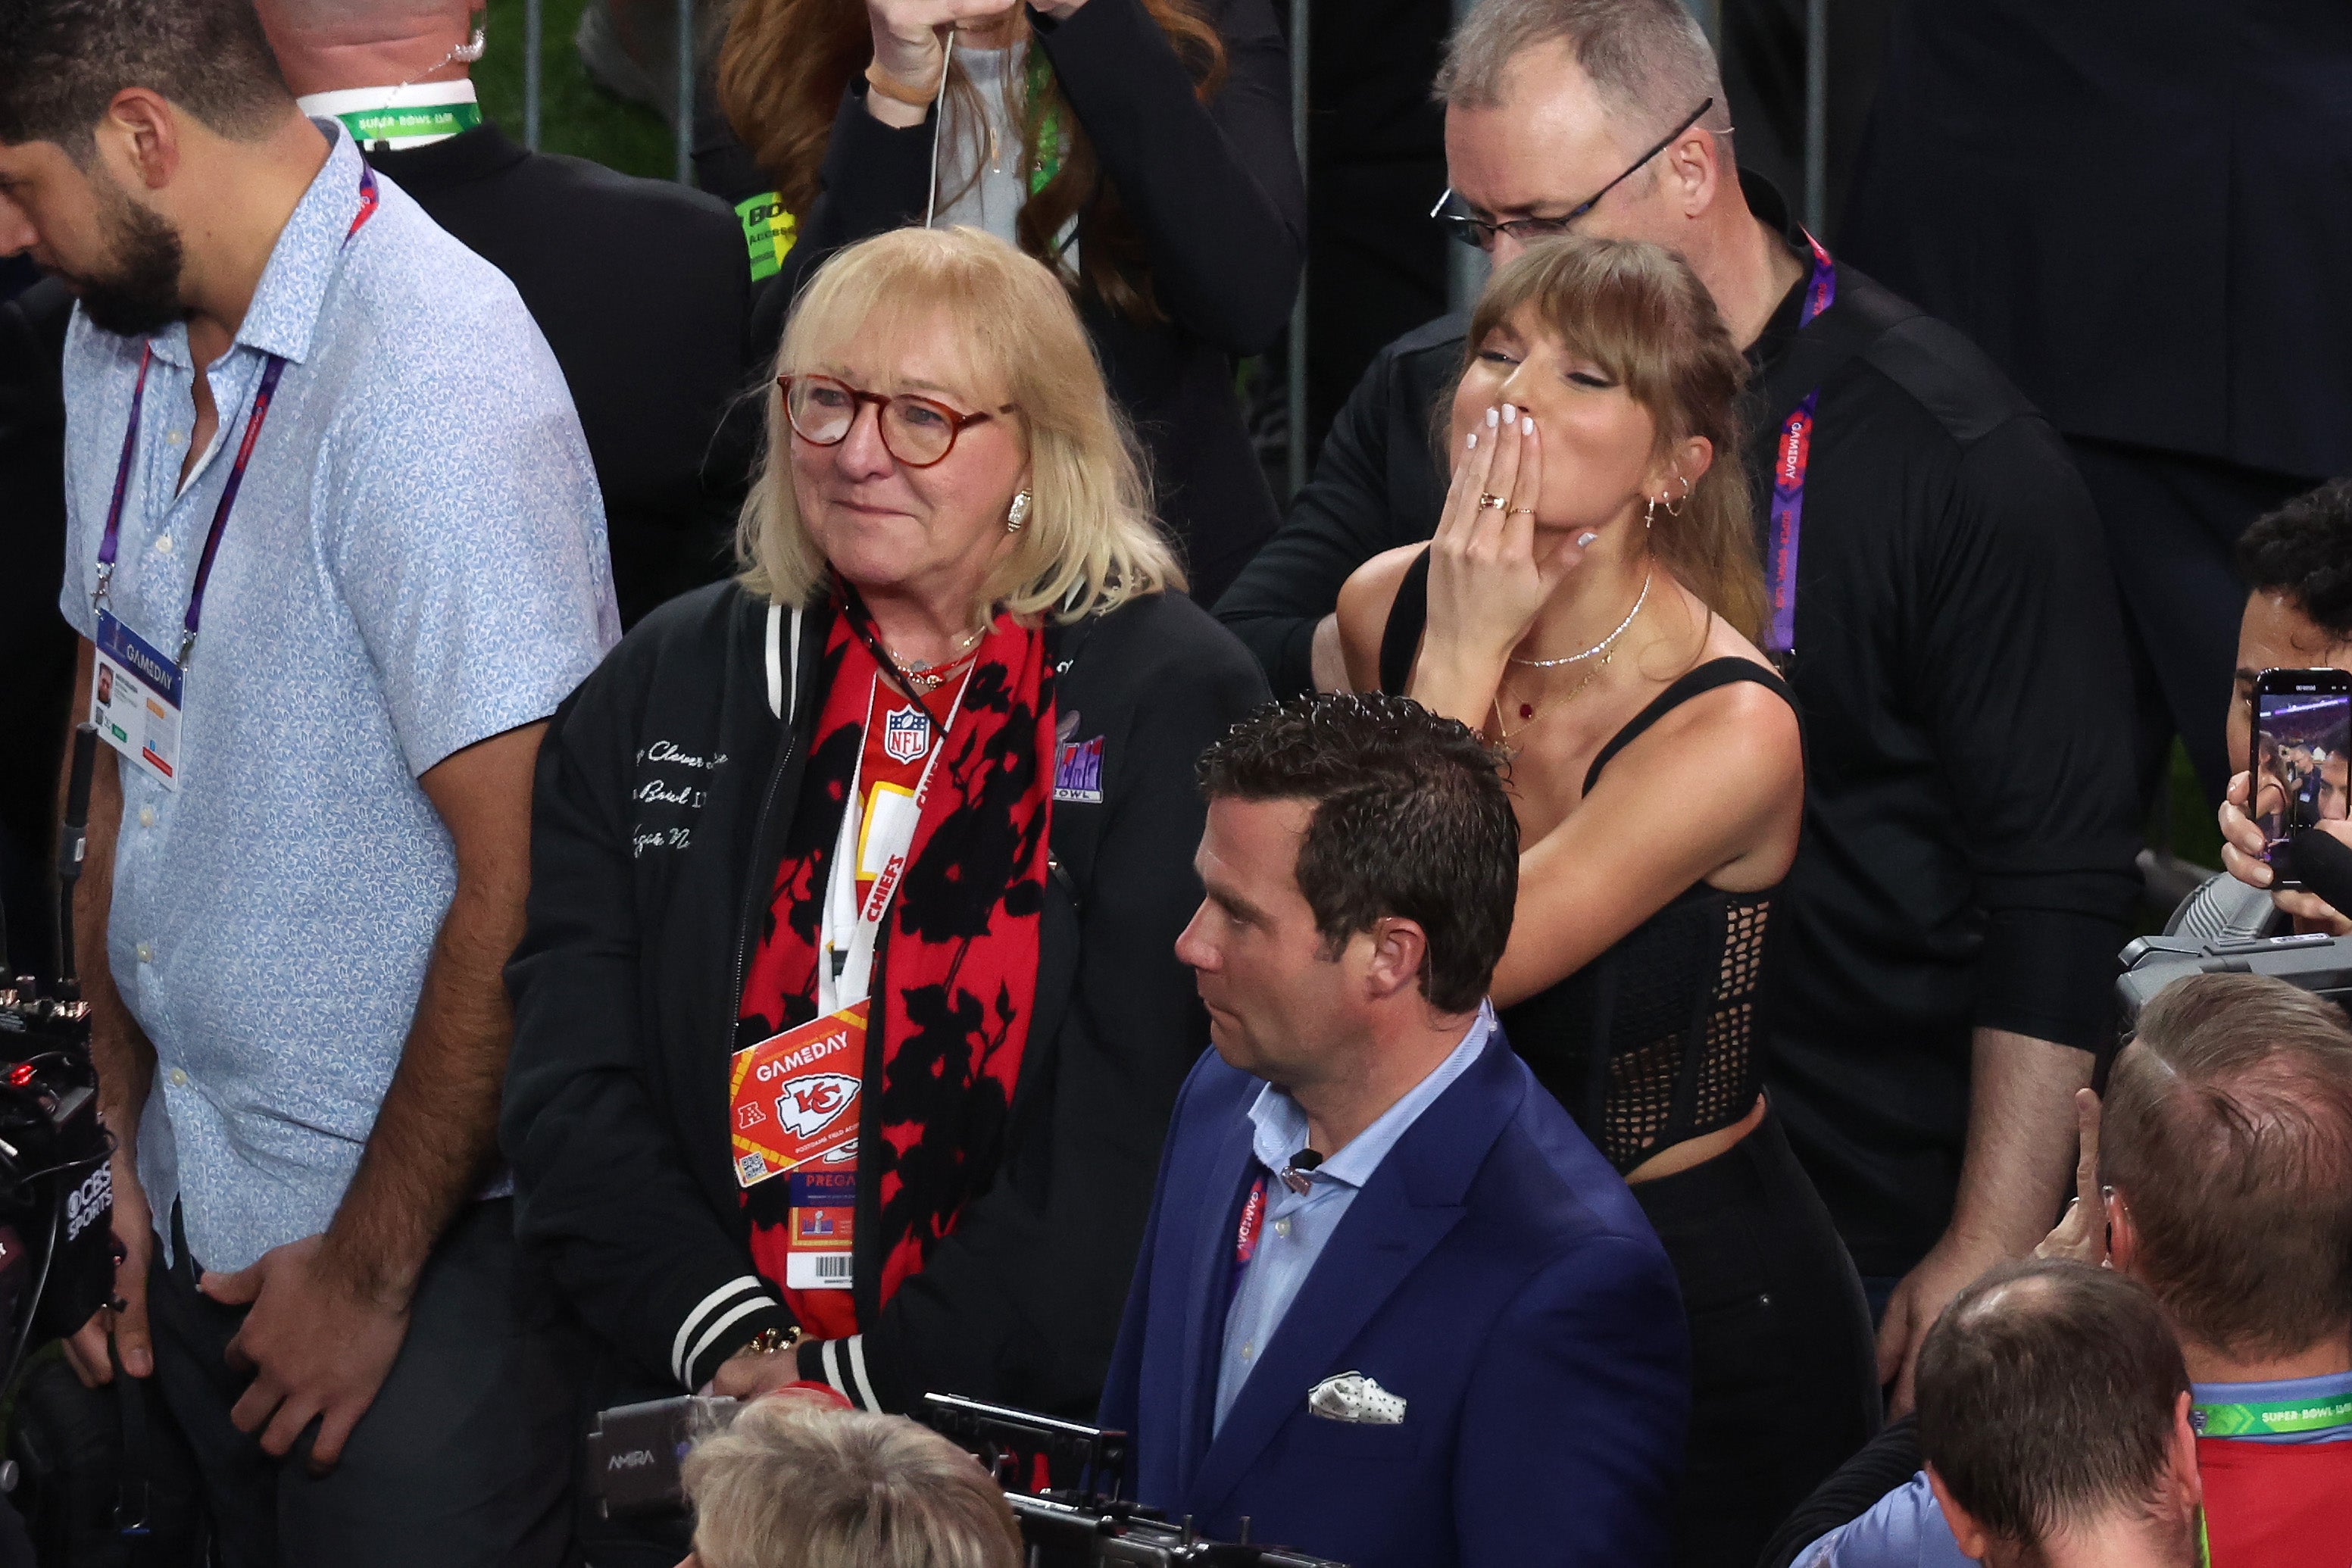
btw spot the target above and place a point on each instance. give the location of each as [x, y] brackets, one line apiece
[56, 1192]
[635, 1451]
[1086, 1522]
[2313, 961]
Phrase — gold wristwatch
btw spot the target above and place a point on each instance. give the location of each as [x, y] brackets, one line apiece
[774, 1341]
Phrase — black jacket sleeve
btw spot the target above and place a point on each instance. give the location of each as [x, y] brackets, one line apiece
[1026, 1294]
[1214, 189]
[2022, 673]
[37, 646]
[679, 1293]
[1888, 1461]
[1377, 485]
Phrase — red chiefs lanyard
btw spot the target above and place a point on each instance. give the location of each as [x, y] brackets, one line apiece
[109, 542]
[851, 922]
[1789, 466]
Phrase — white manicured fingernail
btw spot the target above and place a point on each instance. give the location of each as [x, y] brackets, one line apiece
[1526, 424]
[1474, 440]
[1584, 541]
[1491, 417]
[1511, 415]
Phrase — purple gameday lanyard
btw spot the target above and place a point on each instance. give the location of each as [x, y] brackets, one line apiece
[1789, 466]
[111, 541]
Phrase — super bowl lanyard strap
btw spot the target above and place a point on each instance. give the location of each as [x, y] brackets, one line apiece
[2273, 1418]
[110, 542]
[1788, 465]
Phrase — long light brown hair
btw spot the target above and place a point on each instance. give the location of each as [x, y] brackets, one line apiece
[1643, 317]
[784, 64]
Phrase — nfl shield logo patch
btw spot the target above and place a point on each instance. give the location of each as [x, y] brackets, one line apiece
[905, 736]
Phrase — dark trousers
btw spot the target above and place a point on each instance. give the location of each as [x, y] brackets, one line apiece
[2172, 524]
[464, 1459]
[1784, 1384]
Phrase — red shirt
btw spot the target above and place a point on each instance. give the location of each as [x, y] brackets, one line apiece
[2277, 1505]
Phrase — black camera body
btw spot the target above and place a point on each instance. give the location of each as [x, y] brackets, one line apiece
[56, 1184]
[57, 1189]
[634, 1452]
[2317, 964]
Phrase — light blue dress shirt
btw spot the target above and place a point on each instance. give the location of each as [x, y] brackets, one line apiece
[1294, 1227]
[416, 562]
[1906, 1529]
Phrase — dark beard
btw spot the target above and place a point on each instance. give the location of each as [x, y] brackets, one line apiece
[143, 296]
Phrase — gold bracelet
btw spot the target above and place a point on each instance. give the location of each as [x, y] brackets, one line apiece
[774, 1341]
[891, 87]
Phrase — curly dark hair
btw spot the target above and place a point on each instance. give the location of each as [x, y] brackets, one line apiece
[2304, 550]
[1409, 821]
[62, 61]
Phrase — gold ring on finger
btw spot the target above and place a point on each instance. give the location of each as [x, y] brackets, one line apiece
[1490, 502]
[1520, 511]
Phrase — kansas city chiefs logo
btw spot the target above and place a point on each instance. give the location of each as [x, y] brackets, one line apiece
[809, 1105]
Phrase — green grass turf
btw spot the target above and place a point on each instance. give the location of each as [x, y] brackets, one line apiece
[2191, 832]
[576, 116]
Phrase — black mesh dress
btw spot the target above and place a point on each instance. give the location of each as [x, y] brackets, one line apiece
[1653, 1042]
[1650, 1044]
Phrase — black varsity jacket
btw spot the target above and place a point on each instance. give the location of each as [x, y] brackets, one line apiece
[666, 785]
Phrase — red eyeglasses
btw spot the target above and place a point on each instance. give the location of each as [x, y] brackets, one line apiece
[918, 431]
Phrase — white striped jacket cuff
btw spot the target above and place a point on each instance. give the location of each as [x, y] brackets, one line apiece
[843, 1361]
[712, 1317]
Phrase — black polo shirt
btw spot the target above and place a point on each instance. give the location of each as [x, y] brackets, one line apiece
[1970, 816]
[643, 289]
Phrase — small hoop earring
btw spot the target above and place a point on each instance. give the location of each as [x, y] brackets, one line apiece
[1650, 514]
[1675, 508]
[1015, 518]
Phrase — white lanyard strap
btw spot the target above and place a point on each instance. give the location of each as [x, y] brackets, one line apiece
[849, 929]
[779, 689]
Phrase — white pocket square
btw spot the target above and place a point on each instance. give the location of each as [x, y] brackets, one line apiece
[1352, 1396]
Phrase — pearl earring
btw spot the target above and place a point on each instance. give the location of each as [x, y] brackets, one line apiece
[1019, 514]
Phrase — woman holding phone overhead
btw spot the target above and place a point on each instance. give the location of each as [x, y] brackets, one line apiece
[1587, 601]
[1141, 148]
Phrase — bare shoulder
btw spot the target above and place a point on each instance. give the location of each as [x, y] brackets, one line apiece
[1365, 600]
[1371, 588]
[1747, 719]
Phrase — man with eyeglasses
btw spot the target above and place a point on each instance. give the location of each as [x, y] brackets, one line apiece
[1938, 594]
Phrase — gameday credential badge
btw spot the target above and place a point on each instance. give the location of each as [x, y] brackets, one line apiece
[792, 1098]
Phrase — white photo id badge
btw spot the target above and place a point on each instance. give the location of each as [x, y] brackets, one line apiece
[134, 700]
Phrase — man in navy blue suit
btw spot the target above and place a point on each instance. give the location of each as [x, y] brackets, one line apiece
[1393, 1308]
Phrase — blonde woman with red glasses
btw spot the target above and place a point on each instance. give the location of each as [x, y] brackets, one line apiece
[849, 1021]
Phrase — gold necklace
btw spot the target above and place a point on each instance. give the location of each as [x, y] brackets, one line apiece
[1606, 652]
[1530, 713]
[930, 677]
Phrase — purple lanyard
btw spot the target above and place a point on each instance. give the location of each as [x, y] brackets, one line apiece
[111, 541]
[1788, 465]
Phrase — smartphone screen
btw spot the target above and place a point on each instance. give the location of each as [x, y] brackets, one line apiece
[2303, 734]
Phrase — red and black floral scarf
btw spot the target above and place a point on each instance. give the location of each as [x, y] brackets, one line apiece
[957, 962]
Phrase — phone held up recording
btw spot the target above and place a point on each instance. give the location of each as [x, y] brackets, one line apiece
[2302, 744]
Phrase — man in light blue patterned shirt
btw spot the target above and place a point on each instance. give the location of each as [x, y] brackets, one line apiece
[318, 459]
